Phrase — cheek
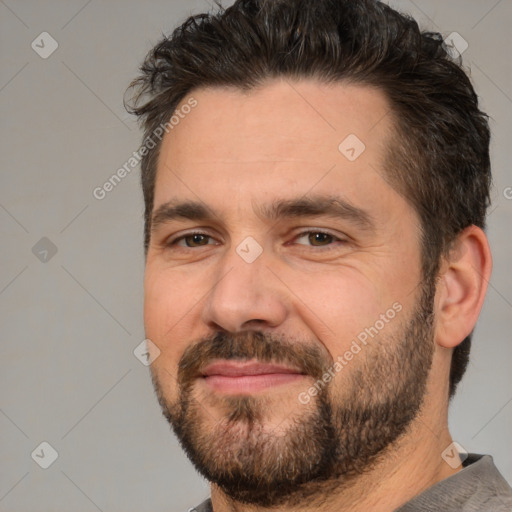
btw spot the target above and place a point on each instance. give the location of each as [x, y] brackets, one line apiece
[351, 303]
[340, 304]
[169, 307]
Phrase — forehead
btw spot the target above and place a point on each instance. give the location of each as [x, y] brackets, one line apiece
[287, 136]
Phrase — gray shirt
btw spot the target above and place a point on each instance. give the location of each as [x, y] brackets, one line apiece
[478, 487]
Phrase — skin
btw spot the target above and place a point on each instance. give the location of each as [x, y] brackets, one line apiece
[237, 152]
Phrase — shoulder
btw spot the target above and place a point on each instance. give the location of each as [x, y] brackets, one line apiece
[478, 486]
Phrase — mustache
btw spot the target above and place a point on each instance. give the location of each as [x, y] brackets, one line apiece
[267, 348]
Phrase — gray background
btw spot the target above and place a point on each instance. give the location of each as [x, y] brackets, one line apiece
[70, 324]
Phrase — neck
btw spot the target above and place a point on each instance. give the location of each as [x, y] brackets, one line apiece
[407, 468]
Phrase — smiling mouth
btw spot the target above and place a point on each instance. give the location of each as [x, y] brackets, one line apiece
[245, 377]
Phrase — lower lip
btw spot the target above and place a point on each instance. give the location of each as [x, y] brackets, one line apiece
[250, 383]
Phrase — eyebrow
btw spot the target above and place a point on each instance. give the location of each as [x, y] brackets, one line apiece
[312, 206]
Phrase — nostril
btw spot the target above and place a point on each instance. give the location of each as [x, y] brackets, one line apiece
[256, 321]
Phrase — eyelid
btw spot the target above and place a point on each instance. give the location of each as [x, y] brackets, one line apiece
[308, 231]
[171, 241]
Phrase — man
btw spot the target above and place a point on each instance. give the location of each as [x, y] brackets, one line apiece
[316, 177]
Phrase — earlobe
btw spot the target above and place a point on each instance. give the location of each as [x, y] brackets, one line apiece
[462, 286]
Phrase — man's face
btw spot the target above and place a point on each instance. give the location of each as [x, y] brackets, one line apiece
[283, 288]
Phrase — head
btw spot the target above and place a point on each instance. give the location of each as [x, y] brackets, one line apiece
[272, 91]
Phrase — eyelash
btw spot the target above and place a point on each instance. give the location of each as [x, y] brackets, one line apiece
[174, 242]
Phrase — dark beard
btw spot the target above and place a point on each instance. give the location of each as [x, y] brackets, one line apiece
[330, 441]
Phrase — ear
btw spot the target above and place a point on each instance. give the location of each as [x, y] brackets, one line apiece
[462, 285]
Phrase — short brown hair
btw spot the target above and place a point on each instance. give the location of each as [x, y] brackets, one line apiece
[439, 159]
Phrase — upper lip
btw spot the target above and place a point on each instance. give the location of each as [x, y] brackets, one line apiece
[242, 368]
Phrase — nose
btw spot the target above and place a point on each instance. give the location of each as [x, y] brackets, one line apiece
[244, 296]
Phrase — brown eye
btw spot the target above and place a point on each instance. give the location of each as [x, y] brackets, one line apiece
[319, 239]
[316, 239]
[195, 240]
